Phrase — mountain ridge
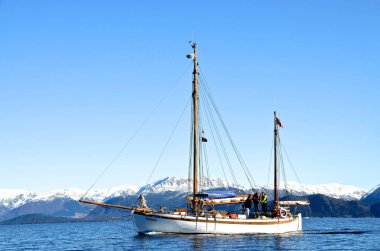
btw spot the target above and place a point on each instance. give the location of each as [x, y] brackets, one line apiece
[13, 198]
[170, 193]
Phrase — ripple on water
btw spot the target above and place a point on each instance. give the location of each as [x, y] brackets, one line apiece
[318, 234]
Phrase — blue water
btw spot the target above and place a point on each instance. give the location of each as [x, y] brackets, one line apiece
[318, 234]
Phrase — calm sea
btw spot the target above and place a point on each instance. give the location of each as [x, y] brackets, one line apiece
[318, 234]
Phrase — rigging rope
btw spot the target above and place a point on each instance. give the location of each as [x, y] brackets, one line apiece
[200, 147]
[270, 162]
[208, 110]
[167, 142]
[207, 165]
[291, 164]
[138, 130]
[282, 166]
[238, 155]
[190, 152]
[283, 169]
[214, 140]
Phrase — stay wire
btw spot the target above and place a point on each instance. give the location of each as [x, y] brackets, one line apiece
[210, 111]
[207, 167]
[138, 130]
[243, 165]
[203, 155]
[206, 164]
[167, 142]
[283, 169]
[282, 166]
[200, 158]
[291, 164]
[241, 160]
[220, 141]
[238, 155]
[284, 175]
[213, 136]
[190, 152]
[270, 163]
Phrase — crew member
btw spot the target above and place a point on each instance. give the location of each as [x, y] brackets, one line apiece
[263, 201]
[248, 205]
[256, 200]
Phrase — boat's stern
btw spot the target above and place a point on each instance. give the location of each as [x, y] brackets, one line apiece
[299, 221]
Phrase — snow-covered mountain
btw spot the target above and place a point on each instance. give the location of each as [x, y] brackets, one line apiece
[95, 195]
[13, 198]
[372, 196]
[122, 190]
[334, 190]
[180, 185]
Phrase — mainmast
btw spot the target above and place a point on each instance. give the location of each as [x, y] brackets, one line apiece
[195, 126]
[276, 199]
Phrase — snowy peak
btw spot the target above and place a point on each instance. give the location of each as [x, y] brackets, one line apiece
[334, 190]
[70, 193]
[180, 184]
[372, 196]
[12, 198]
[122, 190]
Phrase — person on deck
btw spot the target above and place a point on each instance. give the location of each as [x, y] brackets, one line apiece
[263, 201]
[256, 200]
[248, 205]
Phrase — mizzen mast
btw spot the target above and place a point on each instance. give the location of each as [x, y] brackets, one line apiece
[276, 196]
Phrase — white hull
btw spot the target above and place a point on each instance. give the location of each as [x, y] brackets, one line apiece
[172, 223]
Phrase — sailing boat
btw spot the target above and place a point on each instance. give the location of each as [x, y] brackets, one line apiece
[200, 217]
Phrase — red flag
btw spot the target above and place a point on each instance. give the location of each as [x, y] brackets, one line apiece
[279, 122]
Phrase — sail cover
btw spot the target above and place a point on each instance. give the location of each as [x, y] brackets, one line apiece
[219, 194]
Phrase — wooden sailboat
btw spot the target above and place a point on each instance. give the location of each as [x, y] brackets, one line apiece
[196, 219]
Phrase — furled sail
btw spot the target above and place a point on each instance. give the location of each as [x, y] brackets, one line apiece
[294, 203]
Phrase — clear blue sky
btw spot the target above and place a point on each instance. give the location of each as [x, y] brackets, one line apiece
[77, 78]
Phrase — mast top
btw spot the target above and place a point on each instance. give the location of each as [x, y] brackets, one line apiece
[193, 55]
